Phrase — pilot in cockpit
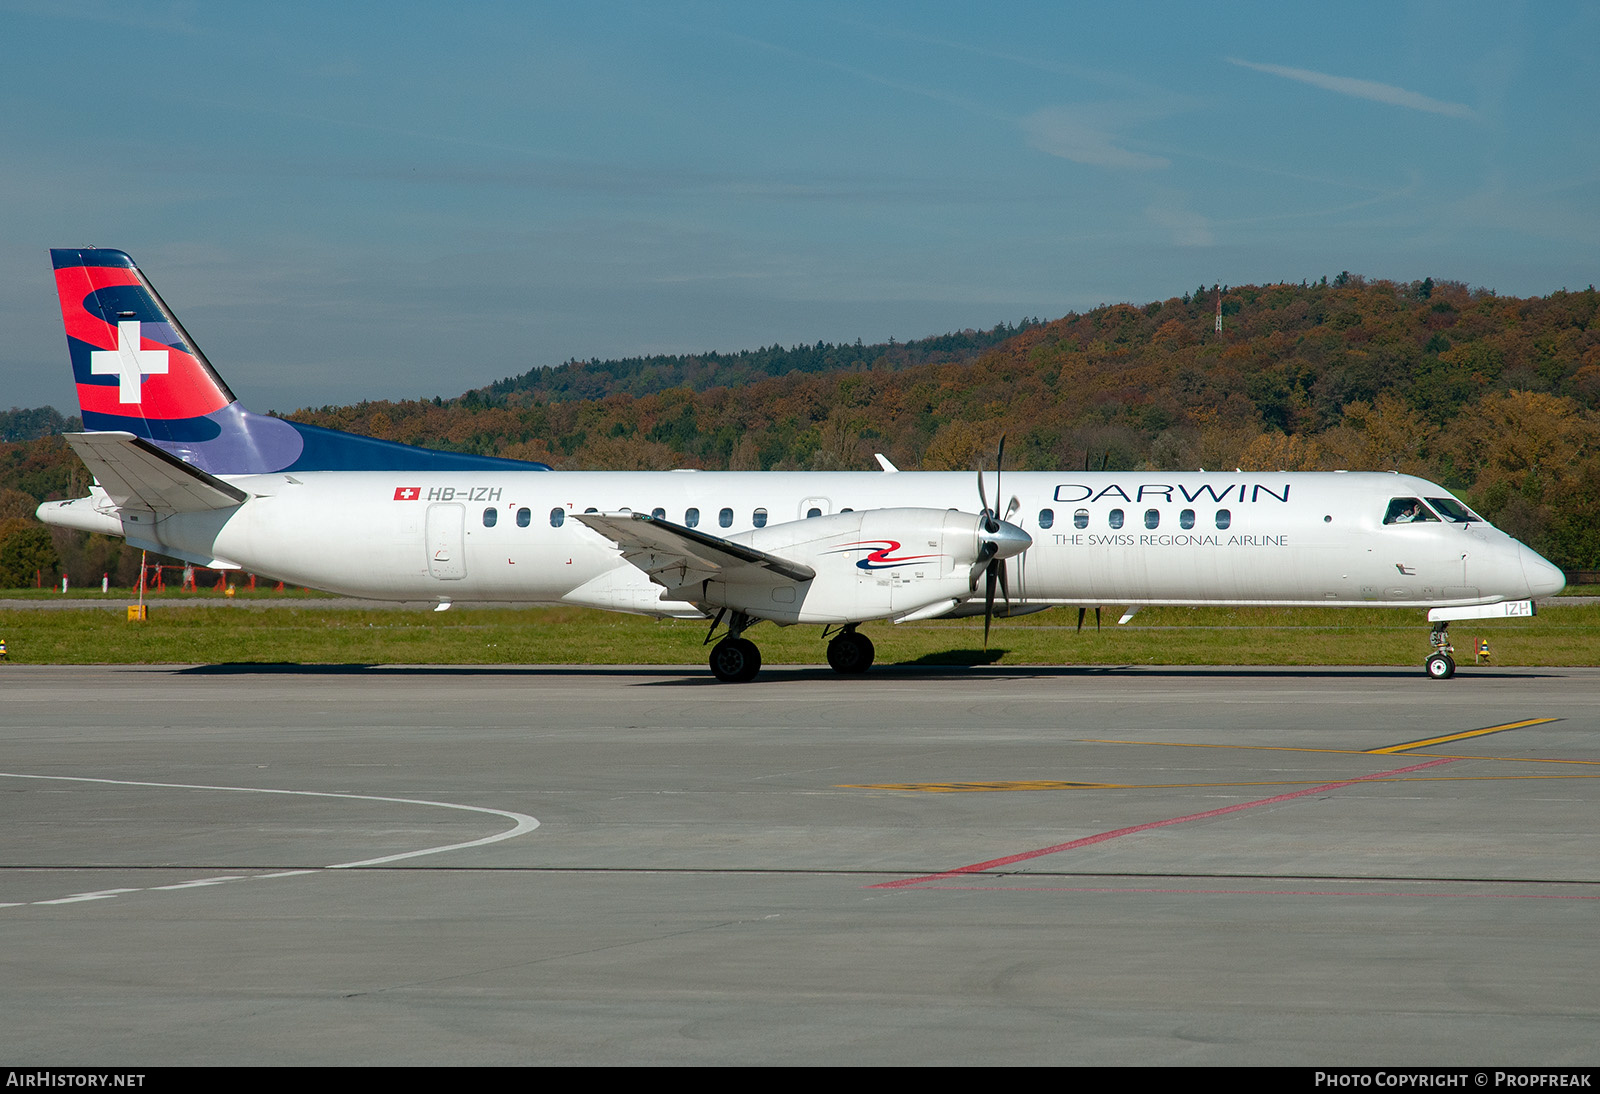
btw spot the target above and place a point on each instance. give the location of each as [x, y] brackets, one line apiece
[1407, 511]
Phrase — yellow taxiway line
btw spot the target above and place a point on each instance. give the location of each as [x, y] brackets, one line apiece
[1409, 745]
[1053, 784]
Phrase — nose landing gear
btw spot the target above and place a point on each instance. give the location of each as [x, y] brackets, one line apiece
[1440, 665]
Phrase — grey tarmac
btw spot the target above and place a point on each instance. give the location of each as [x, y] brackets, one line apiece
[235, 864]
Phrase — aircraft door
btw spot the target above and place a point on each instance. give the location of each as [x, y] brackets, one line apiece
[447, 541]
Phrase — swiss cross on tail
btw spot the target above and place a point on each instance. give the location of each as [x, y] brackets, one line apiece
[407, 493]
[128, 363]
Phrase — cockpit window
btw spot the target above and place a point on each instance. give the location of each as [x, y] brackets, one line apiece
[1408, 511]
[1453, 511]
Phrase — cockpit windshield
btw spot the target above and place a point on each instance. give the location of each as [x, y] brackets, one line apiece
[1408, 511]
[1453, 511]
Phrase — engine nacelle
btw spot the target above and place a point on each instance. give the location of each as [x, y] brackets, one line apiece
[875, 564]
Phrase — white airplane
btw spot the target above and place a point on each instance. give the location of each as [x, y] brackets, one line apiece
[182, 469]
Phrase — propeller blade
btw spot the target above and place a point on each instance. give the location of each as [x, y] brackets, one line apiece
[994, 569]
[991, 517]
[985, 554]
[988, 603]
[999, 466]
[1081, 613]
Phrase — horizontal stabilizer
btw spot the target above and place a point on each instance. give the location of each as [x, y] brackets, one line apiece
[136, 474]
[674, 556]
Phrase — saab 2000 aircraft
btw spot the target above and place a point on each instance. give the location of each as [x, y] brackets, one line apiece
[184, 470]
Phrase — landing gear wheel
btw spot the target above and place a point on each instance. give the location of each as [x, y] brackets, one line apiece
[735, 660]
[850, 653]
[1441, 666]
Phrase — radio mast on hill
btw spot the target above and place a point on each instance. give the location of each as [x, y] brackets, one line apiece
[1219, 311]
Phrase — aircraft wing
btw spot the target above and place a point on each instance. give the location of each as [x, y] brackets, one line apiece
[136, 474]
[675, 556]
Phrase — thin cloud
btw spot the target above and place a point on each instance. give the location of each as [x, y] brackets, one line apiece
[1081, 134]
[1364, 89]
[1187, 228]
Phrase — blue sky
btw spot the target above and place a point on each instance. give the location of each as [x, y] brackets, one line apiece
[347, 201]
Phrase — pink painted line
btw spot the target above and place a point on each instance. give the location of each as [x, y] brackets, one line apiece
[1089, 841]
[1258, 892]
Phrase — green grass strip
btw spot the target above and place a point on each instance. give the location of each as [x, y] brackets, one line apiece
[299, 631]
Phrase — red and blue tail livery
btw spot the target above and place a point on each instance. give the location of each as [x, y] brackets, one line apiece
[138, 371]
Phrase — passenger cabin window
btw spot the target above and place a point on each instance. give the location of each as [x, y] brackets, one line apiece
[1186, 519]
[1080, 519]
[524, 517]
[1408, 511]
[659, 513]
[759, 518]
[725, 518]
[490, 517]
[558, 517]
[1152, 518]
[1224, 518]
[813, 512]
[1116, 518]
[691, 518]
[1047, 518]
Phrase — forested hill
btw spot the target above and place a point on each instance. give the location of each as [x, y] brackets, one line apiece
[699, 372]
[18, 424]
[1496, 397]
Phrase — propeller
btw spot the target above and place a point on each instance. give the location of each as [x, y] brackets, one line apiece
[990, 561]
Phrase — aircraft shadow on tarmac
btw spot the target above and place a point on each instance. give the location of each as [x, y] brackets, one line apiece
[955, 664]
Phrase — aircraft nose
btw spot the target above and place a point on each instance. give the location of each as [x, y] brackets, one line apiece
[1544, 578]
[1009, 539]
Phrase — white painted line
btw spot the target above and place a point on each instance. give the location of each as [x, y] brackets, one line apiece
[103, 894]
[521, 823]
[107, 894]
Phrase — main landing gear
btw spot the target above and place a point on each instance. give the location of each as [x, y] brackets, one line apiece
[736, 659]
[1440, 665]
[850, 652]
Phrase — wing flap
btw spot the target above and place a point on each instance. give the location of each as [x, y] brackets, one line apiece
[675, 556]
[136, 474]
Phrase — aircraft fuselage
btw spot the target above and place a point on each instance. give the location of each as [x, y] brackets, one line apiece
[1134, 538]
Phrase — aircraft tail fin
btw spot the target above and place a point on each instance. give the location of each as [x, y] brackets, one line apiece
[139, 372]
